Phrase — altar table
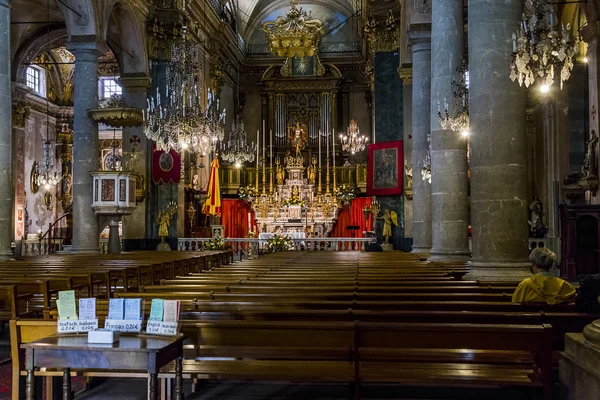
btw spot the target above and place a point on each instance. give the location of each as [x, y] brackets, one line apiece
[130, 353]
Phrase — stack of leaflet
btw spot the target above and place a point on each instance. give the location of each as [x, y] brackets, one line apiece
[125, 315]
[68, 322]
[164, 317]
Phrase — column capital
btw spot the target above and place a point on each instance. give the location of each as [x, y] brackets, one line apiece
[405, 75]
[134, 84]
[420, 34]
[84, 50]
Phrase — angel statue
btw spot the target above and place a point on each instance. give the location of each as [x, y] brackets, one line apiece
[389, 218]
[298, 138]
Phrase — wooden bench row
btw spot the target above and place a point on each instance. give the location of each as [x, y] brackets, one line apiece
[359, 353]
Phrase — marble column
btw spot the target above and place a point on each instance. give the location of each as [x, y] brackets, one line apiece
[421, 98]
[6, 207]
[449, 182]
[134, 226]
[498, 145]
[85, 146]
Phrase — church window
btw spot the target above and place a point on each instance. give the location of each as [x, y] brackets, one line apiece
[36, 80]
[109, 87]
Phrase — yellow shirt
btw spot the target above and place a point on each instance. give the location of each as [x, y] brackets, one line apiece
[543, 288]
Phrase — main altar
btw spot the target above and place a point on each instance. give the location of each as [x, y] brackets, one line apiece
[294, 204]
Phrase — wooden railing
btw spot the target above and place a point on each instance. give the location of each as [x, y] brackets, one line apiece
[248, 247]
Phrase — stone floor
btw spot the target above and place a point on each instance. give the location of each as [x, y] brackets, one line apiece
[135, 389]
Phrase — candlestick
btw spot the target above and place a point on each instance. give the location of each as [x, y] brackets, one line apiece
[327, 175]
[320, 187]
[264, 163]
[334, 177]
[271, 157]
[257, 158]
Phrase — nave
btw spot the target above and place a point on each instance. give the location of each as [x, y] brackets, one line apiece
[326, 325]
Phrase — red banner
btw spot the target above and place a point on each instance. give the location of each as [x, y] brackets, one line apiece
[166, 167]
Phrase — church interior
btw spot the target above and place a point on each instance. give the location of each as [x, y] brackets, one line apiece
[299, 199]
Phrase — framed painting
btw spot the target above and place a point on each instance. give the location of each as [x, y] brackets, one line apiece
[384, 175]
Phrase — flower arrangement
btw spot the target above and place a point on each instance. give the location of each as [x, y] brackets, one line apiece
[279, 243]
[345, 194]
[216, 243]
[247, 193]
[293, 201]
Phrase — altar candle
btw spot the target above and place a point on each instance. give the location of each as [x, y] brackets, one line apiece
[333, 147]
[271, 144]
[249, 221]
[319, 154]
[257, 155]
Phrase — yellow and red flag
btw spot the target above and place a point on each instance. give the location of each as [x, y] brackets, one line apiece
[212, 206]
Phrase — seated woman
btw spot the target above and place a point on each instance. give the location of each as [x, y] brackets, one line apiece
[543, 287]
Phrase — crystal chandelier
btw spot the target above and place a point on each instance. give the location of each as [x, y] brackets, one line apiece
[48, 176]
[542, 48]
[237, 151]
[296, 34]
[178, 122]
[458, 121]
[426, 169]
[352, 140]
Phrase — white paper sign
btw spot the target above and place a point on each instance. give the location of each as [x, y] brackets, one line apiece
[86, 325]
[154, 327]
[123, 325]
[169, 328]
[67, 325]
[162, 328]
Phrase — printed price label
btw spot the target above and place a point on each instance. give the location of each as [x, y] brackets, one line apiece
[86, 325]
[67, 326]
[154, 327]
[169, 328]
[123, 326]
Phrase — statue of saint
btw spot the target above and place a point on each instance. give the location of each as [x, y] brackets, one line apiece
[312, 174]
[280, 175]
[298, 138]
[389, 218]
[590, 162]
[536, 222]
[163, 220]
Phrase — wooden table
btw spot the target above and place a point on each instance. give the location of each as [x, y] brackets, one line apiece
[130, 353]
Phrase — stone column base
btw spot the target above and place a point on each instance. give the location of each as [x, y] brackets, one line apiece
[579, 365]
[420, 250]
[84, 250]
[448, 256]
[498, 271]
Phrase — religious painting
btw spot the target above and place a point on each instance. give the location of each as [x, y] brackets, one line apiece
[108, 190]
[166, 166]
[122, 189]
[384, 177]
[303, 66]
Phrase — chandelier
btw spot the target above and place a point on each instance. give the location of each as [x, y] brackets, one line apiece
[237, 151]
[47, 175]
[352, 140]
[178, 122]
[458, 121]
[296, 34]
[542, 48]
[426, 169]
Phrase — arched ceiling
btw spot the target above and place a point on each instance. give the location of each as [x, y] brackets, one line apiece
[251, 13]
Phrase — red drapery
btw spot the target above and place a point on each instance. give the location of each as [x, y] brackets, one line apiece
[353, 215]
[234, 215]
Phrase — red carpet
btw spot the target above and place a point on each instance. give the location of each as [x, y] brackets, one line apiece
[6, 382]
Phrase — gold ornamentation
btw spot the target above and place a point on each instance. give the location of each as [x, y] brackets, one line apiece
[20, 112]
[48, 201]
[295, 34]
[383, 37]
[406, 75]
[117, 114]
